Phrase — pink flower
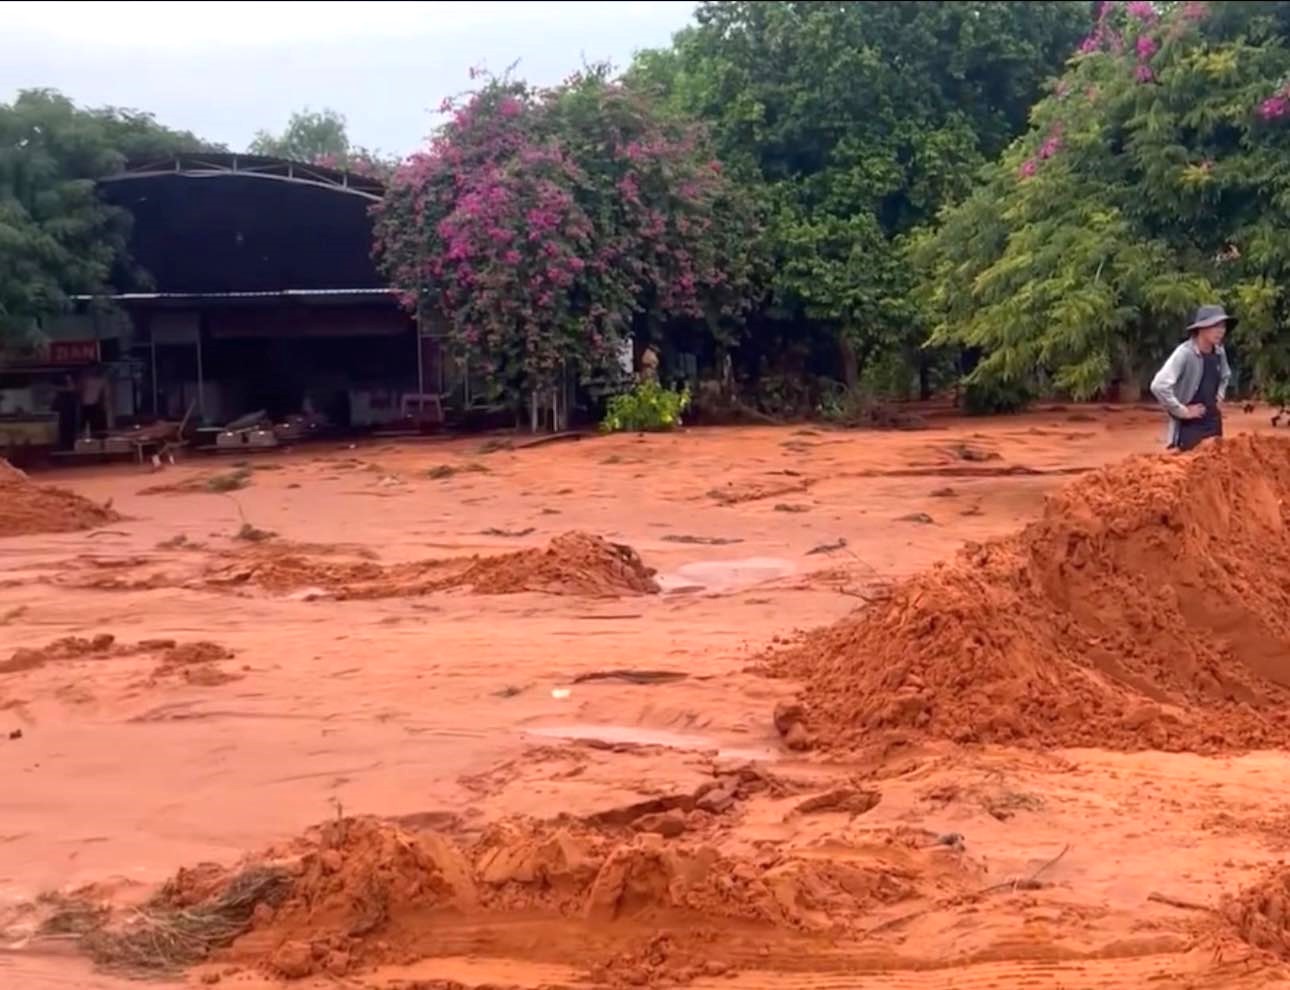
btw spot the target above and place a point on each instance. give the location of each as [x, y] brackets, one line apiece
[1050, 147]
[509, 107]
[1143, 10]
[628, 187]
[445, 105]
[1028, 168]
[511, 257]
[1274, 107]
[1195, 11]
[1090, 44]
[1143, 74]
[1146, 46]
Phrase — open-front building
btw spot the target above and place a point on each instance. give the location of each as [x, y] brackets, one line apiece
[262, 294]
[251, 289]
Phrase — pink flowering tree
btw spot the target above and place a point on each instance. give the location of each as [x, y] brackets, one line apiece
[1155, 177]
[546, 226]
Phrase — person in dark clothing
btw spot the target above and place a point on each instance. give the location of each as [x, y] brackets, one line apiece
[1193, 382]
[67, 405]
[1210, 422]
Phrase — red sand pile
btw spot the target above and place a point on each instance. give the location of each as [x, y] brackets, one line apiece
[1148, 608]
[1260, 914]
[27, 508]
[573, 564]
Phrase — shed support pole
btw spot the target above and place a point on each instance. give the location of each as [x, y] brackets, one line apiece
[421, 371]
[155, 391]
[201, 388]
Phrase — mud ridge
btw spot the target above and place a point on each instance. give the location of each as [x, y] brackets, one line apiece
[575, 564]
[361, 892]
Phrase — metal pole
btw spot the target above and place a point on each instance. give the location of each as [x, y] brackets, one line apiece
[421, 371]
[201, 389]
[152, 337]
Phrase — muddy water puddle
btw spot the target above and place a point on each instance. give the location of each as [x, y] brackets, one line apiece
[636, 735]
[725, 575]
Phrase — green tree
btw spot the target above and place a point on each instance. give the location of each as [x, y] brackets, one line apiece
[57, 238]
[1155, 177]
[853, 123]
[309, 134]
[321, 137]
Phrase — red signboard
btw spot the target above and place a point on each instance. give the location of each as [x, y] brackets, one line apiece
[73, 351]
[58, 353]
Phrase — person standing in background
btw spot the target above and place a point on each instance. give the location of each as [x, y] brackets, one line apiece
[94, 397]
[649, 366]
[66, 406]
[1192, 384]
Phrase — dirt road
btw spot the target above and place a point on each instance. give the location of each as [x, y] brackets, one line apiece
[341, 677]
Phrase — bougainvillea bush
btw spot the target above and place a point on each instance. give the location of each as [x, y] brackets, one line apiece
[1155, 177]
[545, 226]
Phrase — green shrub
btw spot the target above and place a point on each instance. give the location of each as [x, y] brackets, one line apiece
[987, 398]
[1277, 394]
[857, 408]
[842, 405]
[649, 406]
[230, 482]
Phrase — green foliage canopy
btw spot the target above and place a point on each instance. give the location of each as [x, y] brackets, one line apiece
[853, 123]
[321, 137]
[309, 134]
[1154, 177]
[57, 238]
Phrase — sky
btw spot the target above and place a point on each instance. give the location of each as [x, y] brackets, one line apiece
[225, 70]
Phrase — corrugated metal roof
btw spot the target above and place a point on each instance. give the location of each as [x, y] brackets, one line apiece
[198, 296]
[215, 163]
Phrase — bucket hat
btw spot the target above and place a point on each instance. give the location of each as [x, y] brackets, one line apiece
[1208, 316]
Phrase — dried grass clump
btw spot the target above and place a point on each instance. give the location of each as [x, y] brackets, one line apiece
[159, 937]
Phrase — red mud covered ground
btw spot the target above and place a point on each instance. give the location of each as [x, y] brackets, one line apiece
[749, 708]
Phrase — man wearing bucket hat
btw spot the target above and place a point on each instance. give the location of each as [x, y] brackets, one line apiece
[1193, 382]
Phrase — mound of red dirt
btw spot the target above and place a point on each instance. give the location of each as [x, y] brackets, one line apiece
[1149, 607]
[573, 564]
[1260, 914]
[352, 879]
[27, 508]
[361, 892]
